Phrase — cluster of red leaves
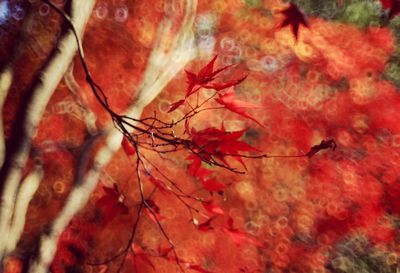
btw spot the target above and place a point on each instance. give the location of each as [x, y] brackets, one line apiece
[219, 144]
[205, 79]
[204, 175]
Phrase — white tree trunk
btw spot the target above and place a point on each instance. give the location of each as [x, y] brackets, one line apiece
[42, 92]
[163, 65]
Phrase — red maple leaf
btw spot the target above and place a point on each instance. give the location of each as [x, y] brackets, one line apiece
[205, 78]
[213, 144]
[195, 169]
[293, 17]
[230, 145]
[210, 184]
[229, 101]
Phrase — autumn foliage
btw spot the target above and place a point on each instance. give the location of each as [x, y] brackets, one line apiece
[276, 149]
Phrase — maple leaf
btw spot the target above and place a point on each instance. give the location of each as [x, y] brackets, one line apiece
[229, 101]
[230, 145]
[205, 78]
[213, 144]
[325, 144]
[195, 168]
[393, 6]
[293, 17]
[127, 146]
[110, 204]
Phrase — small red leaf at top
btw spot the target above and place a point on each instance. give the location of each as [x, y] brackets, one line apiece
[294, 17]
[127, 146]
[205, 77]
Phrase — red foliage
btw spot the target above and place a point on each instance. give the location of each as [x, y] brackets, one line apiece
[204, 79]
[229, 101]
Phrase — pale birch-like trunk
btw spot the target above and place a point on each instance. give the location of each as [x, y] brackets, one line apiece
[41, 94]
[163, 64]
